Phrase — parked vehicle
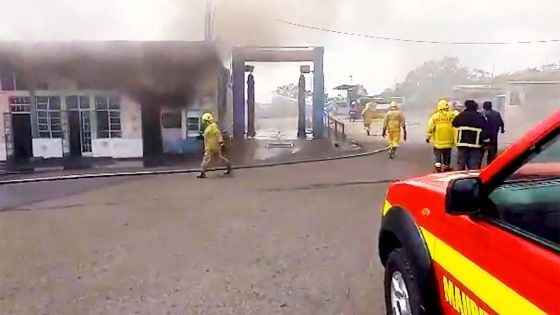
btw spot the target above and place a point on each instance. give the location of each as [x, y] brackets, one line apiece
[478, 242]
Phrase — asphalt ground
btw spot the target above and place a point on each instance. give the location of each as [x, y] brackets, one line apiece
[298, 239]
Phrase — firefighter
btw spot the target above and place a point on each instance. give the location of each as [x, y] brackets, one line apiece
[472, 134]
[495, 124]
[368, 114]
[353, 112]
[442, 136]
[213, 143]
[392, 124]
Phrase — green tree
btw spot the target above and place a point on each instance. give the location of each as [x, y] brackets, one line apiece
[357, 92]
[434, 80]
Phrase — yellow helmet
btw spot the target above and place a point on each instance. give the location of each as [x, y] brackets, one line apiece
[207, 117]
[394, 105]
[443, 105]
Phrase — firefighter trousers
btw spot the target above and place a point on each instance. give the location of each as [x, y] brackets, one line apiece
[210, 156]
[394, 138]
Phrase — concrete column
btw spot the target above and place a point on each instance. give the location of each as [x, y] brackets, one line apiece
[251, 105]
[33, 111]
[318, 93]
[238, 65]
[301, 106]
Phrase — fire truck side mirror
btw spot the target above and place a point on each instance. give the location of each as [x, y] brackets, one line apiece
[463, 196]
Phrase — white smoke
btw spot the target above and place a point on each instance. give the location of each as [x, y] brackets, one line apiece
[376, 64]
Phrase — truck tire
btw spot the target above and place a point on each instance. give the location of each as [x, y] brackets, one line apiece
[402, 296]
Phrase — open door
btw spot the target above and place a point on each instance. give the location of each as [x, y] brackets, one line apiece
[22, 139]
[74, 128]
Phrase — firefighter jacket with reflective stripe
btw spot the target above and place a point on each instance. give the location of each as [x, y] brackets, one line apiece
[394, 121]
[440, 130]
[471, 129]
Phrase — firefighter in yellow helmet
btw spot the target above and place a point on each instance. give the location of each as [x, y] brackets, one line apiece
[369, 114]
[213, 143]
[392, 124]
[442, 135]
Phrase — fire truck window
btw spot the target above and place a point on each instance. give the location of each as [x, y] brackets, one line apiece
[530, 198]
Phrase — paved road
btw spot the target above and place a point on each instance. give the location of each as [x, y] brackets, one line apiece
[297, 239]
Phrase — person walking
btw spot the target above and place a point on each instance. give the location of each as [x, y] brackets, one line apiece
[353, 112]
[472, 133]
[442, 135]
[369, 114]
[213, 142]
[495, 125]
[392, 124]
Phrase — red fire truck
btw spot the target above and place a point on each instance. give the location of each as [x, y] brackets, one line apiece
[478, 242]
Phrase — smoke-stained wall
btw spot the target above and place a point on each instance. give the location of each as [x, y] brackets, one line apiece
[177, 75]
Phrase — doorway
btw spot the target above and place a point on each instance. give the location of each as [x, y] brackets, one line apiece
[23, 145]
[79, 132]
[74, 137]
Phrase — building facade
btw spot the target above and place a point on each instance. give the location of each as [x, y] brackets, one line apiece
[67, 116]
[69, 123]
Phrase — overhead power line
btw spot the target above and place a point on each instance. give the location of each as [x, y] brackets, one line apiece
[418, 41]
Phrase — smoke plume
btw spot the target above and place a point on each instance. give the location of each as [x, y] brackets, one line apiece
[167, 73]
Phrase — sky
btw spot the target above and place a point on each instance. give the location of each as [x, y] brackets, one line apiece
[374, 63]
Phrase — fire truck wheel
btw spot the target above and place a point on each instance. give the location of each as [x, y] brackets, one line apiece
[402, 296]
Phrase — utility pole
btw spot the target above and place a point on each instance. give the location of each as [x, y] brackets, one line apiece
[209, 20]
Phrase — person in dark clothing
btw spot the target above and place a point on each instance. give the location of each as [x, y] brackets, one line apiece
[495, 124]
[472, 133]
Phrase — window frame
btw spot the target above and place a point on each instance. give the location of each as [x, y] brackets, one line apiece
[111, 107]
[500, 179]
[19, 107]
[48, 111]
[198, 125]
[172, 116]
[12, 76]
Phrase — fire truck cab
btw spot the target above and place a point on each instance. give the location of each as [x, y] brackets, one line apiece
[478, 242]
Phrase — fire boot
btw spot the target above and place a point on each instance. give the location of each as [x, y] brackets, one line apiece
[392, 151]
[228, 170]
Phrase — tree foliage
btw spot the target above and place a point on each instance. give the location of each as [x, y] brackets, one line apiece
[434, 80]
[357, 92]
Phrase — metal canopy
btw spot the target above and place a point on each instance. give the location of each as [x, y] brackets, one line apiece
[241, 55]
[344, 87]
[277, 54]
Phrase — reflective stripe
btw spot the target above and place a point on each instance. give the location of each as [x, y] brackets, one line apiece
[486, 287]
[468, 145]
[467, 128]
[464, 144]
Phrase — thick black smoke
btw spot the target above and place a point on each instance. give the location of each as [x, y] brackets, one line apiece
[151, 72]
